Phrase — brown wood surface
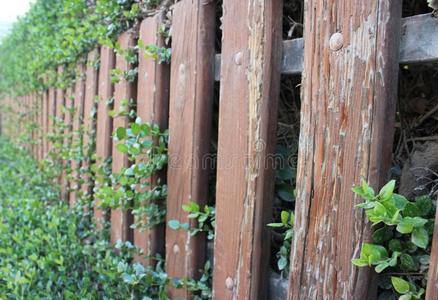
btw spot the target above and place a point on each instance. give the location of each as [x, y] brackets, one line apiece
[347, 122]
[152, 107]
[68, 118]
[121, 219]
[51, 112]
[78, 119]
[191, 104]
[89, 122]
[432, 282]
[104, 121]
[250, 81]
[45, 122]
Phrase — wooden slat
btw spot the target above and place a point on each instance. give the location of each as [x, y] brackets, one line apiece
[417, 45]
[121, 219]
[45, 122]
[104, 121]
[191, 104]
[60, 105]
[250, 73]
[152, 107]
[79, 96]
[51, 113]
[68, 117]
[432, 280]
[91, 77]
[347, 122]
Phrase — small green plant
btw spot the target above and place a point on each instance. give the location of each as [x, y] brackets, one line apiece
[286, 228]
[132, 188]
[401, 247]
[205, 220]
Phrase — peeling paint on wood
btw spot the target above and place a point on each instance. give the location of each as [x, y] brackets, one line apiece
[347, 121]
[250, 77]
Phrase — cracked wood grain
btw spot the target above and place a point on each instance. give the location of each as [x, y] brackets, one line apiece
[250, 77]
[347, 121]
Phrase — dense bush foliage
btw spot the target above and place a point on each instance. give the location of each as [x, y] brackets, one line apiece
[401, 240]
[60, 32]
[49, 251]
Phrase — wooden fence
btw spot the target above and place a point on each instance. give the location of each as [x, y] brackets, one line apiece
[349, 87]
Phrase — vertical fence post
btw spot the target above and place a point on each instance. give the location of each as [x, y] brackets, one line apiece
[104, 126]
[121, 219]
[76, 164]
[51, 113]
[68, 118]
[347, 121]
[91, 79]
[250, 81]
[152, 107]
[191, 105]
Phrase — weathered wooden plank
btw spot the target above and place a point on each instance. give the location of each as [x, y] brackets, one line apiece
[190, 104]
[250, 84]
[347, 121]
[76, 164]
[121, 219]
[45, 122]
[417, 45]
[89, 122]
[104, 121]
[68, 118]
[51, 113]
[432, 280]
[152, 107]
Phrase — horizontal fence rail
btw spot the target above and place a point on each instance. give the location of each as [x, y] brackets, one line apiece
[418, 44]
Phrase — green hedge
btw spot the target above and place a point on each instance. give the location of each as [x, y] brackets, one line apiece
[48, 251]
[60, 32]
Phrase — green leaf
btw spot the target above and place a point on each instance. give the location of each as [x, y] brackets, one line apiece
[420, 237]
[387, 190]
[411, 210]
[405, 226]
[120, 133]
[122, 148]
[399, 201]
[284, 217]
[382, 235]
[174, 224]
[424, 205]
[400, 285]
[407, 262]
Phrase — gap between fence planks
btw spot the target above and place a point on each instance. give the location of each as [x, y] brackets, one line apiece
[104, 121]
[191, 104]
[76, 164]
[250, 74]
[153, 108]
[347, 123]
[121, 219]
